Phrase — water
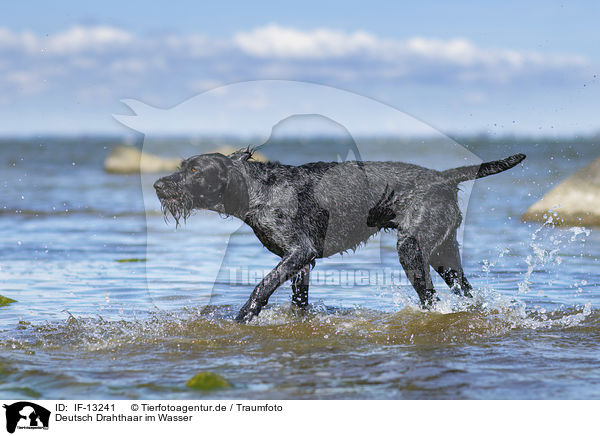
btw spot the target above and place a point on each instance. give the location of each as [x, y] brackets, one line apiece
[76, 246]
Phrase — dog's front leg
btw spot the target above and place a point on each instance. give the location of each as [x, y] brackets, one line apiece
[288, 267]
[300, 288]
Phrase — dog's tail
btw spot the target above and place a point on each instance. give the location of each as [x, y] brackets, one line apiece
[462, 174]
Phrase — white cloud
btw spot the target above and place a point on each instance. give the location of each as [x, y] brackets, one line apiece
[24, 41]
[26, 82]
[79, 39]
[457, 58]
[105, 57]
[76, 39]
[459, 51]
[284, 42]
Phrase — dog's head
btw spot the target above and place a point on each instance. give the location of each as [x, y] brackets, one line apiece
[208, 181]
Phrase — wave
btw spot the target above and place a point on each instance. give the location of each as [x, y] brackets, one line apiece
[212, 328]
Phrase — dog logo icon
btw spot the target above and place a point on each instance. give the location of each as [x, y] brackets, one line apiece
[268, 111]
[26, 415]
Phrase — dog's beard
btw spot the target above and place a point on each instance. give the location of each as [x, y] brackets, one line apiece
[180, 207]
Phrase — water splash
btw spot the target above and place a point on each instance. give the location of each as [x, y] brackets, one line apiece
[543, 256]
[539, 256]
[281, 327]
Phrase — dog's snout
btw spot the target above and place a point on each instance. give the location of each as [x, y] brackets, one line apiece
[159, 185]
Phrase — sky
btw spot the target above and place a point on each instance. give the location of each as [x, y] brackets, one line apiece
[512, 67]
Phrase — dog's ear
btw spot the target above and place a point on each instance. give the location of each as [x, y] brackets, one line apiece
[235, 197]
[243, 154]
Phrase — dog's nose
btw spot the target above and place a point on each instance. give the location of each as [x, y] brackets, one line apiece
[159, 185]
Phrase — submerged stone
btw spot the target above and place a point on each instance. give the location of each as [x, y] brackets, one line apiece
[126, 160]
[576, 201]
[207, 381]
[5, 301]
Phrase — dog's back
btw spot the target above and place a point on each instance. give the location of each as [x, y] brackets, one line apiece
[332, 201]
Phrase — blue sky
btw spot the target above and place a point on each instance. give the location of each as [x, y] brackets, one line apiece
[527, 67]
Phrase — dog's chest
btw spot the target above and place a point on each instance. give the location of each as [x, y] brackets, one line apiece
[270, 228]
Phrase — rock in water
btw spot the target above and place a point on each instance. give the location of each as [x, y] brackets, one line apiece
[127, 160]
[207, 381]
[123, 159]
[5, 301]
[576, 200]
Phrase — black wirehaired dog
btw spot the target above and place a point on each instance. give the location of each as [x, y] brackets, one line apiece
[307, 212]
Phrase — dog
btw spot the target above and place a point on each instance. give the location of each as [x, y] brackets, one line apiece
[307, 212]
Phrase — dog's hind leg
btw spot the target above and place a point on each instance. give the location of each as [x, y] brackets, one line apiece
[288, 267]
[445, 260]
[300, 288]
[412, 259]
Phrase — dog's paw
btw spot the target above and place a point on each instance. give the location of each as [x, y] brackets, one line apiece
[247, 313]
[243, 317]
